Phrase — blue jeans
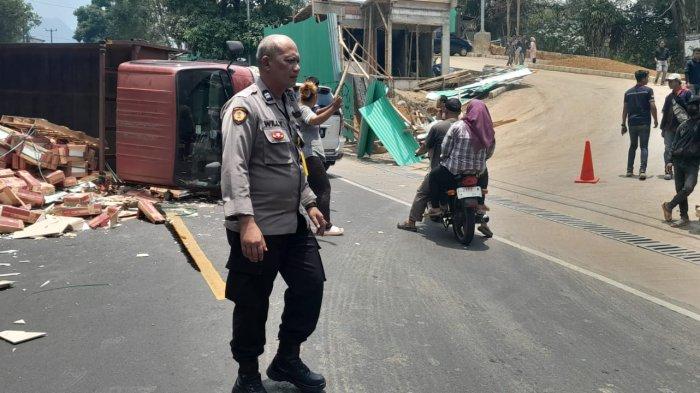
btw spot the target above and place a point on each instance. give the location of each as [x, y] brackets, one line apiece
[639, 137]
[668, 140]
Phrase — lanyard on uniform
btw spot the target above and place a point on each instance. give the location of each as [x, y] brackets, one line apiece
[302, 158]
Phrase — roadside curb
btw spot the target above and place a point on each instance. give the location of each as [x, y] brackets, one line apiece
[498, 91]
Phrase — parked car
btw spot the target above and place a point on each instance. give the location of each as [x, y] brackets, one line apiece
[457, 45]
[331, 128]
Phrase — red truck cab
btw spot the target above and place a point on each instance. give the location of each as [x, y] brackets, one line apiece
[168, 120]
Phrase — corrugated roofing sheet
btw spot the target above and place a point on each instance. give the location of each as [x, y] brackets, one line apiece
[390, 129]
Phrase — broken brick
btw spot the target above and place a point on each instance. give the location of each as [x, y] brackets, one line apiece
[9, 225]
[149, 210]
[76, 199]
[46, 188]
[8, 196]
[13, 182]
[7, 173]
[70, 181]
[78, 211]
[30, 197]
[27, 216]
[75, 150]
[100, 221]
[32, 182]
[55, 177]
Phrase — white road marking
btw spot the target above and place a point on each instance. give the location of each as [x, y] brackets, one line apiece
[558, 261]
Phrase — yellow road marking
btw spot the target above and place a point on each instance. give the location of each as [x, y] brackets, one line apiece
[211, 276]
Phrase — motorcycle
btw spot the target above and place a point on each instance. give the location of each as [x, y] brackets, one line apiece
[462, 212]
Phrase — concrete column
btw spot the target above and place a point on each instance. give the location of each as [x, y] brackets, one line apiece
[388, 43]
[445, 48]
[482, 39]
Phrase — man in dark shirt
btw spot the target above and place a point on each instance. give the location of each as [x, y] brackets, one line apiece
[433, 144]
[639, 108]
[661, 56]
[692, 72]
[685, 160]
[674, 113]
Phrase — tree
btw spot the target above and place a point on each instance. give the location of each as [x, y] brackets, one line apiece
[121, 19]
[205, 25]
[18, 17]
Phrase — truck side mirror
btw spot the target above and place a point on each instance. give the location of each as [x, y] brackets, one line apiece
[235, 47]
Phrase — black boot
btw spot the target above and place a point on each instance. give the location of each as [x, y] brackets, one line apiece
[289, 367]
[248, 383]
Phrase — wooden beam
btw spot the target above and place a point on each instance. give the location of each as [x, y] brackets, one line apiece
[345, 73]
[379, 69]
[382, 15]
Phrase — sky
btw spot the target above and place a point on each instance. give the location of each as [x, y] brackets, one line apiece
[56, 14]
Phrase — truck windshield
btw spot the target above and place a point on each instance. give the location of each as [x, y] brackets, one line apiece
[200, 96]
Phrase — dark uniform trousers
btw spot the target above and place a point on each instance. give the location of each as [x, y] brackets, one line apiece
[249, 284]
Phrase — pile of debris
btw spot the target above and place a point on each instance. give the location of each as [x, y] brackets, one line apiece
[47, 186]
[28, 142]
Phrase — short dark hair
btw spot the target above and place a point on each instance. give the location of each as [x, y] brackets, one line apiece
[442, 98]
[641, 74]
[313, 80]
[453, 105]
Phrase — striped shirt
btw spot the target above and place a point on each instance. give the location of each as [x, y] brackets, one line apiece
[458, 153]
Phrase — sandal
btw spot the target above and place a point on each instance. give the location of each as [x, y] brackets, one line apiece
[406, 226]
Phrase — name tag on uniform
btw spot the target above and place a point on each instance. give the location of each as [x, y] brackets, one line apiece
[276, 135]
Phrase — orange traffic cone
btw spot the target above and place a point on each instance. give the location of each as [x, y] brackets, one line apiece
[587, 175]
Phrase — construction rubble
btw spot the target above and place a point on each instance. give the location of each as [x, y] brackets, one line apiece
[390, 120]
[49, 184]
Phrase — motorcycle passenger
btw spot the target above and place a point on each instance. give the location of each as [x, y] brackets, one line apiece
[479, 119]
[464, 152]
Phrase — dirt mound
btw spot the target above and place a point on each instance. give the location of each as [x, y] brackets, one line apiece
[596, 63]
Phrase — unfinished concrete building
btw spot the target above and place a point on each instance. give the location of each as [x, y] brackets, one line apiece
[397, 36]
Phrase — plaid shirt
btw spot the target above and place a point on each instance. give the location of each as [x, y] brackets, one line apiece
[458, 153]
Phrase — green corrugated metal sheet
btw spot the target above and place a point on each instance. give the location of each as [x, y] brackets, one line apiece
[453, 21]
[317, 47]
[390, 128]
[375, 91]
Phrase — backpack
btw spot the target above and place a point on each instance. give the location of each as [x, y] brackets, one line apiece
[686, 145]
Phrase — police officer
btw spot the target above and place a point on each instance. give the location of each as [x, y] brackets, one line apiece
[265, 194]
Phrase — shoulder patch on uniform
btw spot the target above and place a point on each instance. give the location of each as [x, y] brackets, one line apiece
[239, 115]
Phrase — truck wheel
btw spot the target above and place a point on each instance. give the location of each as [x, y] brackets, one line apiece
[463, 52]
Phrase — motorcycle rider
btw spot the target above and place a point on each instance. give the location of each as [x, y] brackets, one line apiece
[464, 151]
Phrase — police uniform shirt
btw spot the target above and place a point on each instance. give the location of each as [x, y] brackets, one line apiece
[261, 174]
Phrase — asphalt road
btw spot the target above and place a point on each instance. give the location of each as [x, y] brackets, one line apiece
[403, 312]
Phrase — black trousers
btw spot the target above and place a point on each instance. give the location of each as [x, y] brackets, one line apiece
[320, 185]
[686, 178]
[440, 180]
[249, 284]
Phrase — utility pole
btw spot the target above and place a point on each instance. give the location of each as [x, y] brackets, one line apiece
[517, 18]
[51, 32]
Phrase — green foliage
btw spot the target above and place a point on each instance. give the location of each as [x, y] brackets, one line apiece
[620, 29]
[18, 17]
[205, 25]
[121, 20]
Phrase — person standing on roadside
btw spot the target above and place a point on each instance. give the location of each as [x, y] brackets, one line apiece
[432, 145]
[685, 153]
[311, 118]
[638, 109]
[533, 50]
[692, 72]
[266, 202]
[510, 51]
[661, 56]
[674, 112]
